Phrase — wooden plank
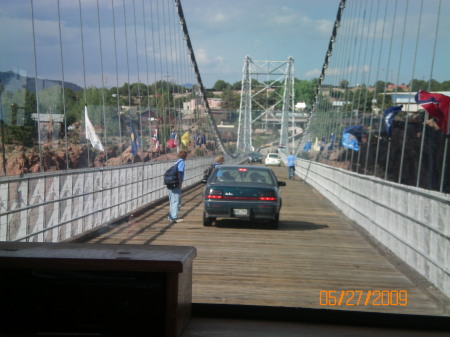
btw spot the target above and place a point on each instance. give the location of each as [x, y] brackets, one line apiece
[315, 249]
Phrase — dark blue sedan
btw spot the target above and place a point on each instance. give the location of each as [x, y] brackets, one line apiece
[254, 157]
[244, 192]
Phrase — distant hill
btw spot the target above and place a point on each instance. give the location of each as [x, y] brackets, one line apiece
[13, 81]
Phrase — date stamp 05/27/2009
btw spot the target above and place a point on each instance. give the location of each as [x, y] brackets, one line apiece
[363, 297]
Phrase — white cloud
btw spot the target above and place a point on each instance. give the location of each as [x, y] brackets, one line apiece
[313, 73]
[202, 58]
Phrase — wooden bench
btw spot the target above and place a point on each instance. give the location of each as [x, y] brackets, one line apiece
[126, 290]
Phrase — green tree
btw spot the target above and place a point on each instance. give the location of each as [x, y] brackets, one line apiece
[237, 85]
[343, 84]
[416, 85]
[445, 86]
[304, 91]
[30, 107]
[221, 85]
[230, 99]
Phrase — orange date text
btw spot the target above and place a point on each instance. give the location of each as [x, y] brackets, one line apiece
[363, 297]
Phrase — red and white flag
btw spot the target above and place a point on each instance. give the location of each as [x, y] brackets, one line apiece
[155, 139]
[437, 106]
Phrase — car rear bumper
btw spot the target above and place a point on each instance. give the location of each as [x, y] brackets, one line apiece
[252, 211]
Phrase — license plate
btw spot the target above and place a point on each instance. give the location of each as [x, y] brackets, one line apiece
[240, 212]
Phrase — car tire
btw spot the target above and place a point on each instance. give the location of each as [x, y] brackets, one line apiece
[207, 221]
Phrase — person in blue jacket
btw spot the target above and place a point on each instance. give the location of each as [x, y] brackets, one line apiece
[175, 194]
[291, 165]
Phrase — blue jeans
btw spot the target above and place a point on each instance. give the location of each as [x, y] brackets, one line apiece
[291, 171]
[174, 203]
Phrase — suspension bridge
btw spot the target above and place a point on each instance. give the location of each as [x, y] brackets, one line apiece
[83, 152]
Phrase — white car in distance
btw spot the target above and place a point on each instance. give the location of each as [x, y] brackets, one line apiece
[273, 159]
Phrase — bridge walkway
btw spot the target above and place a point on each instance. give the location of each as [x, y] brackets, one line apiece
[315, 250]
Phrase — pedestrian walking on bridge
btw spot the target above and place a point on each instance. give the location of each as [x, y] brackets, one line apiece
[291, 165]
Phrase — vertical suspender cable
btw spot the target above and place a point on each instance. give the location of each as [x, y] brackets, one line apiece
[2, 124]
[345, 110]
[179, 70]
[444, 159]
[117, 82]
[375, 165]
[103, 83]
[374, 93]
[413, 70]
[359, 87]
[147, 78]
[343, 67]
[398, 80]
[171, 83]
[385, 87]
[337, 59]
[160, 107]
[128, 62]
[63, 96]
[425, 118]
[354, 70]
[36, 88]
[155, 96]
[167, 83]
[138, 72]
[364, 79]
[84, 74]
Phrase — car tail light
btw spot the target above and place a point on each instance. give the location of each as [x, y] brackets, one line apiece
[241, 169]
[214, 194]
[267, 196]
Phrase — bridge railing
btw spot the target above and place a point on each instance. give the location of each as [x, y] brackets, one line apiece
[411, 222]
[55, 207]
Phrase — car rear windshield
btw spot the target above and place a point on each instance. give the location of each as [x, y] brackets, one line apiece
[243, 175]
[273, 155]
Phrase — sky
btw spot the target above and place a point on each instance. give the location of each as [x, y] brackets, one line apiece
[224, 32]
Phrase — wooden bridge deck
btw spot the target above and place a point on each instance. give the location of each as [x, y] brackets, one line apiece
[315, 249]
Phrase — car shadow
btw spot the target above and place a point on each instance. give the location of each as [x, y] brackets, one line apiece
[242, 223]
[264, 224]
[300, 226]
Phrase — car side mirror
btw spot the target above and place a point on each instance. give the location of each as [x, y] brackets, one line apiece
[281, 183]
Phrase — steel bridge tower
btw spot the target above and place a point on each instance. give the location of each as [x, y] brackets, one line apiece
[267, 87]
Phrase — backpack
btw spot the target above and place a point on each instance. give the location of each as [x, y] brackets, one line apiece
[207, 172]
[171, 177]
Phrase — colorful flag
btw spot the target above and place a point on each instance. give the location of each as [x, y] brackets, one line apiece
[90, 132]
[316, 146]
[135, 142]
[355, 130]
[155, 139]
[388, 118]
[437, 106]
[349, 141]
[352, 135]
[171, 143]
[307, 146]
[185, 138]
[330, 148]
